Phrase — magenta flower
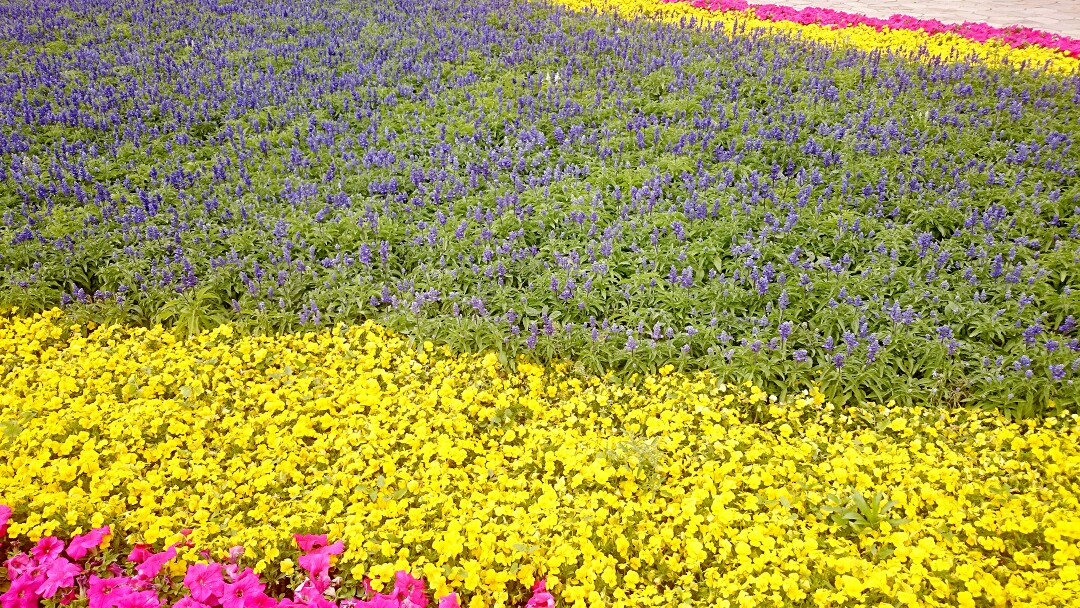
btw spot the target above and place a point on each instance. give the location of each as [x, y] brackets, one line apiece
[139, 599]
[82, 544]
[22, 593]
[5, 517]
[18, 565]
[449, 601]
[60, 573]
[150, 566]
[381, 600]
[246, 587]
[410, 589]
[319, 602]
[70, 596]
[205, 582]
[317, 565]
[540, 597]
[309, 542]
[189, 602]
[106, 592]
[139, 554]
[335, 549]
[47, 549]
[261, 600]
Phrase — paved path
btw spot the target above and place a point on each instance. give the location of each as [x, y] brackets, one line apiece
[1056, 16]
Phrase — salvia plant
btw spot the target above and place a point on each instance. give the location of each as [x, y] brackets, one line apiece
[523, 179]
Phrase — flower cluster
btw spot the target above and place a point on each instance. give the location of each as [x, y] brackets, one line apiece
[899, 34]
[46, 572]
[1016, 36]
[779, 207]
[647, 491]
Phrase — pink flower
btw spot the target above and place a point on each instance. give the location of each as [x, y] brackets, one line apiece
[106, 592]
[381, 600]
[449, 601]
[150, 566]
[261, 600]
[235, 553]
[317, 601]
[189, 602]
[5, 517]
[81, 545]
[18, 565]
[318, 569]
[308, 592]
[22, 593]
[540, 597]
[237, 593]
[139, 599]
[139, 554]
[205, 582]
[308, 542]
[60, 573]
[47, 549]
[408, 588]
[334, 549]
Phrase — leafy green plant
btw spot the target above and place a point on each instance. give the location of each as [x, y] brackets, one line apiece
[853, 514]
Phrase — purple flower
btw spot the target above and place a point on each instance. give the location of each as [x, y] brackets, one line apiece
[785, 330]
[944, 332]
[800, 356]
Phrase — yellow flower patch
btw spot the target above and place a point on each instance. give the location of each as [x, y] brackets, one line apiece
[662, 491]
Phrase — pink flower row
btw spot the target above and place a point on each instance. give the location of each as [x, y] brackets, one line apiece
[51, 570]
[1015, 36]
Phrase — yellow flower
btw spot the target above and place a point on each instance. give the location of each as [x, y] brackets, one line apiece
[700, 506]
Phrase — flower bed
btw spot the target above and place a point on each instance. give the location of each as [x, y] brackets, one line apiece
[624, 193]
[95, 574]
[670, 488]
[900, 34]
[504, 297]
[1015, 36]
